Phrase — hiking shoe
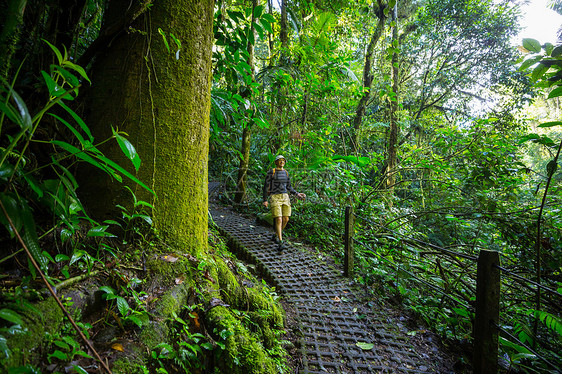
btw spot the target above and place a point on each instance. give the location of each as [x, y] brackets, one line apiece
[275, 239]
[281, 246]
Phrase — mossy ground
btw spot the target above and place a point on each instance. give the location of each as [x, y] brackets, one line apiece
[204, 314]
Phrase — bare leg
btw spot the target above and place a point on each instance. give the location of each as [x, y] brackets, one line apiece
[285, 221]
[279, 227]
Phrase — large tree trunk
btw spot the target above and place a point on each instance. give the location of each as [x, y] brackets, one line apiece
[368, 75]
[162, 100]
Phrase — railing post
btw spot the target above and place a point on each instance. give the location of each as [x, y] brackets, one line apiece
[348, 242]
[485, 333]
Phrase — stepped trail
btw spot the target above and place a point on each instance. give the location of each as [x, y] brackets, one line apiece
[337, 328]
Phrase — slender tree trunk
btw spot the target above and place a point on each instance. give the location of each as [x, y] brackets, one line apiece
[283, 35]
[10, 34]
[162, 100]
[393, 136]
[368, 75]
[240, 196]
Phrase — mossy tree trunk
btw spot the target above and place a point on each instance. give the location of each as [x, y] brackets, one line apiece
[10, 34]
[159, 94]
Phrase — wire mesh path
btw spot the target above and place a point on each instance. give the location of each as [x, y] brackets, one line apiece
[339, 331]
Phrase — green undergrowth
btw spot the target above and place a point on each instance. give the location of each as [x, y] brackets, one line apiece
[199, 314]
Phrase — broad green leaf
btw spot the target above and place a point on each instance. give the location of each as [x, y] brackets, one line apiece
[60, 355]
[365, 346]
[529, 62]
[129, 150]
[79, 369]
[118, 168]
[360, 161]
[550, 124]
[136, 320]
[259, 29]
[85, 157]
[258, 11]
[61, 257]
[10, 112]
[551, 168]
[4, 347]
[68, 76]
[14, 211]
[123, 306]
[56, 51]
[531, 45]
[11, 316]
[77, 68]
[24, 120]
[100, 231]
[107, 289]
[555, 92]
[54, 89]
[539, 71]
[557, 51]
[266, 25]
[30, 236]
[269, 18]
[61, 344]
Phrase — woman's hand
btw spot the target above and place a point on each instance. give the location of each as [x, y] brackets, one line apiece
[265, 203]
[301, 196]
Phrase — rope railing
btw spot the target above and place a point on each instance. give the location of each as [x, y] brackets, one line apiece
[523, 279]
[418, 241]
[415, 277]
[519, 342]
[486, 327]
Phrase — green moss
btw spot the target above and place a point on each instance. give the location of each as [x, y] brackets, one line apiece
[243, 352]
[47, 318]
[234, 294]
[260, 301]
[132, 363]
[168, 271]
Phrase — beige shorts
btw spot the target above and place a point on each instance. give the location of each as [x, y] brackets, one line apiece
[280, 205]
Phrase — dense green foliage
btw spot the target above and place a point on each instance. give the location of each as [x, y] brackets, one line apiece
[474, 169]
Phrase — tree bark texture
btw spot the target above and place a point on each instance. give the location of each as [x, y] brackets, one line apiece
[162, 100]
[10, 34]
[393, 136]
[367, 76]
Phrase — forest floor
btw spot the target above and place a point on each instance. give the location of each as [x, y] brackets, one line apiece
[333, 324]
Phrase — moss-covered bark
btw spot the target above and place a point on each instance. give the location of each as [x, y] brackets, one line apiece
[161, 98]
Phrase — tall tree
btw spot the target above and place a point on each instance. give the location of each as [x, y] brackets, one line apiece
[247, 95]
[394, 130]
[153, 82]
[368, 75]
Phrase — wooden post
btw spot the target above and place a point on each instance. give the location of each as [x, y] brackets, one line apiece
[485, 333]
[348, 242]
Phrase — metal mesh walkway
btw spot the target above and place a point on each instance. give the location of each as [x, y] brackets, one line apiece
[340, 332]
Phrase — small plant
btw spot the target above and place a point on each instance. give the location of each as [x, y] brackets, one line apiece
[187, 353]
[128, 314]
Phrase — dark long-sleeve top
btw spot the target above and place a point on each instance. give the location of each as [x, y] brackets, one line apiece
[277, 183]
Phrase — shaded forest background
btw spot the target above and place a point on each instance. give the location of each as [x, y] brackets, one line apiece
[421, 115]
